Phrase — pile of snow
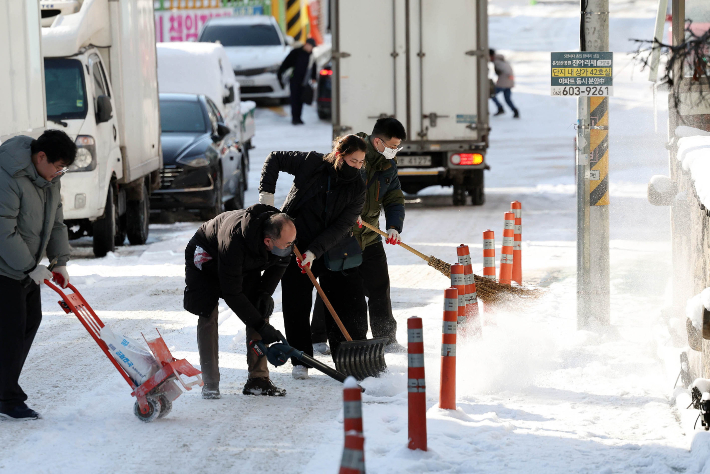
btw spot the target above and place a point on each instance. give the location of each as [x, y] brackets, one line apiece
[694, 155]
[190, 68]
[695, 307]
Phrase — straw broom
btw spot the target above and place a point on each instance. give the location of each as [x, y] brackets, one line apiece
[488, 289]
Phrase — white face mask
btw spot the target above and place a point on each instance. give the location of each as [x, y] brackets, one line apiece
[389, 153]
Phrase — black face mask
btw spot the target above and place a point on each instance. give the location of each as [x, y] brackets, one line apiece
[347, 172]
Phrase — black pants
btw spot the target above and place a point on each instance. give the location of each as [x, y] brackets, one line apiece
[296, 102]
[297, 297]
[20, 318]
[374, 279]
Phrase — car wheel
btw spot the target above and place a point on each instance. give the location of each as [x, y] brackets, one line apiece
[138, 217]
[459, 198]
[104, 228]
[218, 206]
[475, 189]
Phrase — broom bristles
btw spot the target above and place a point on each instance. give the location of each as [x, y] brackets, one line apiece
[489, 290]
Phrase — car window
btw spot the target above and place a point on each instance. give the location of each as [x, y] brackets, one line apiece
[215, 111]
[98, 80]
[182, 116]
[103, 74]
[241, 35]
[65, 89]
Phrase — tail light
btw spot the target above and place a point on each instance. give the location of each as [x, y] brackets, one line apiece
[326, 72]
[466, 159]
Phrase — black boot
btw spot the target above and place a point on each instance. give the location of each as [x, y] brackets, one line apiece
[19, 413]
[500, 112]
[516, 114]
[211, 392]
[262, 386]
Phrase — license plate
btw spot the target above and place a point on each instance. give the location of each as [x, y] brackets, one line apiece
[246, 82]
[404, 161]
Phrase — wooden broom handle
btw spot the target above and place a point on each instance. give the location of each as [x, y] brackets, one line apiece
[384, 234]
[323, 297]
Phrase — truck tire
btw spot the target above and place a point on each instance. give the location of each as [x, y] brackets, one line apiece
[120, 230]
[475, 189]
[138, 217]
[218, 207]
[459, 198]
[105, 228]
[245, 168]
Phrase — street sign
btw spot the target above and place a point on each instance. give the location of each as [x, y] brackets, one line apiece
[578, 74]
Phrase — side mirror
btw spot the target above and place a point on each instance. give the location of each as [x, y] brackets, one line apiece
[230, 98]
[222, 131]
[290, 40]
[104, 111]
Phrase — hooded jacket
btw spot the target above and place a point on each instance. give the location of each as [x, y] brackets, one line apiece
[384, 191]
[504, 71]
[321, 223]
[31, 217]
[235, 241]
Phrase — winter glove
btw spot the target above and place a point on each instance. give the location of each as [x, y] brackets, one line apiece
[266, 198]
[61, 276]
[304, 263]
[393, 237]
[265, 305]
[359, 222]
[268, 333]
[39, 274]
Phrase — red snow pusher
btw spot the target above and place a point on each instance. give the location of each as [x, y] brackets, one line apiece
[155, 394]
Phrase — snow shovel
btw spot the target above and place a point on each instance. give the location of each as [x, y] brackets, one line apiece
[279, 353]
[488, 290]
[361, 359]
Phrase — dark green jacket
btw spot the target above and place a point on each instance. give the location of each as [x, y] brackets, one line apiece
[383, 191]
[31, 218]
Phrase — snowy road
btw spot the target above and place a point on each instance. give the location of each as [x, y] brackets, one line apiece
[534, 394]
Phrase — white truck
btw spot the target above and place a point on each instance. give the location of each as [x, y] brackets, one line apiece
[424, 63]
[101, 88]
[21, 81]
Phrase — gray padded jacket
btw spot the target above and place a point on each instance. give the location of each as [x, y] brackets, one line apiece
[31, 218]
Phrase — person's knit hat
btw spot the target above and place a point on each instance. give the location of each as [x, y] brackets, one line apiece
[311, 41]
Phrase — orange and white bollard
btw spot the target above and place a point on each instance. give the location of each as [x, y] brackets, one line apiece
[416, 385]
[517, 209]
[471, 294]
[352, 405]
[353, 461]
[506, 257]
[489, 254]
[447, 389]
[458, 281]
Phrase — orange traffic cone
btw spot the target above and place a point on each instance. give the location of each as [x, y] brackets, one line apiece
[447, 390]
[517, 209]
[506, 258]
[416, 385]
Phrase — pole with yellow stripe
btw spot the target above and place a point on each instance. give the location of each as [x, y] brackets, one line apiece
[294, 22]
[593, 288]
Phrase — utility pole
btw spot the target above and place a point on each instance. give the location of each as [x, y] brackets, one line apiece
[593, 180]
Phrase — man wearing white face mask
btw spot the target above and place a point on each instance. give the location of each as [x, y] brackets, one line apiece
[384, 191]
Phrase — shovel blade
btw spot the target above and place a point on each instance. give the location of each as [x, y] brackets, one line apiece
[362, 359]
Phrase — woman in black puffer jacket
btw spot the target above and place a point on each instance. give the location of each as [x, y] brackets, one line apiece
[326, 198]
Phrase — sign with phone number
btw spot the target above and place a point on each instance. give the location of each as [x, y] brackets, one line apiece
[576, 91]
[579, 74]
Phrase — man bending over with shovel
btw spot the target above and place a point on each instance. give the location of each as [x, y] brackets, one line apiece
[239, 256]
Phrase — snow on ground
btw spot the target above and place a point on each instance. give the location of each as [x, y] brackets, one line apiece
[534, 393]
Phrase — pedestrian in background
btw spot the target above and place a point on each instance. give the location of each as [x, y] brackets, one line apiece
[31, 223]
[239, 256]
[325, 200]
[505, 82]
[300, 60]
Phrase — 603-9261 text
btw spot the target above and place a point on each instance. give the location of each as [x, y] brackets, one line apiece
[577, 91]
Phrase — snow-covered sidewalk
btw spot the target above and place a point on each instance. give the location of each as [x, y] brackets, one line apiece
[535, 395]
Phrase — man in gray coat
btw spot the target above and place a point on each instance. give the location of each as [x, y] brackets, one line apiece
[504, 84]
[31, 225]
